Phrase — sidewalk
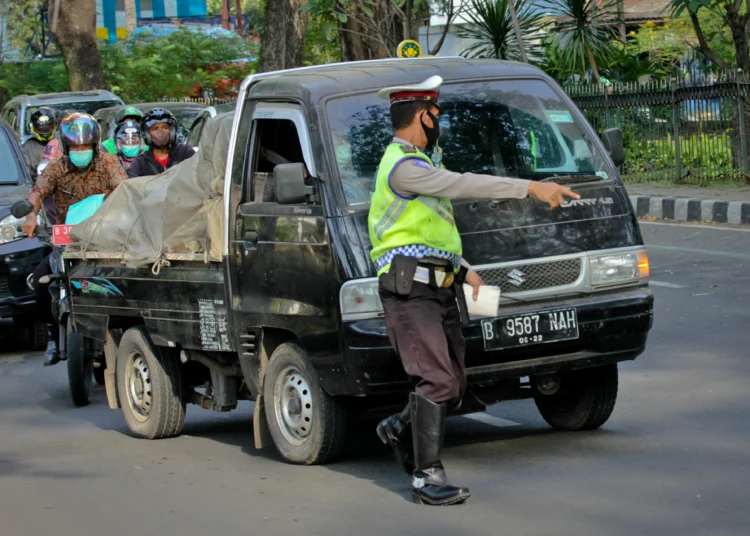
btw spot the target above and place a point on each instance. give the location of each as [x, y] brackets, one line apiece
[730, 204]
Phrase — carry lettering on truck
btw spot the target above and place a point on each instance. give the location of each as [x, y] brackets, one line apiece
[289, 316]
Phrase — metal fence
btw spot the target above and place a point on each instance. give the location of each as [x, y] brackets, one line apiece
[690, 131]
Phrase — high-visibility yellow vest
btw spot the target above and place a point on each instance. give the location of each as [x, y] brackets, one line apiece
[415, 226]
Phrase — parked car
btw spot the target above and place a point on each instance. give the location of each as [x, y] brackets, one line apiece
[196, 130]
[291, 317]
[19, 256]
[185, 112]
[18, 110]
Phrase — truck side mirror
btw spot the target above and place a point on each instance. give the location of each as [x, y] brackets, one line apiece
[21, 209]
[290, 184]
[612, 139]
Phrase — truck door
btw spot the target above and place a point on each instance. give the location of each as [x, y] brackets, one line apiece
[283, 269]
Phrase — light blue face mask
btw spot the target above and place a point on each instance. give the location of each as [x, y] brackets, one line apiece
[131, 151]
[81, 159]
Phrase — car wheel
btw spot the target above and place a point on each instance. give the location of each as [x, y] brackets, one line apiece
[585, 400]
[149, 385]
[307, 425]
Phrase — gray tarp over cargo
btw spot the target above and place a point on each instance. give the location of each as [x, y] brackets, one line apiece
[174, 212]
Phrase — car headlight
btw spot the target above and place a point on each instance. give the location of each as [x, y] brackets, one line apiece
[618, 268]
[360, 300]
[9, 228]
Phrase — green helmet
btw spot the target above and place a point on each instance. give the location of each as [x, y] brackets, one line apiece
[129, 112]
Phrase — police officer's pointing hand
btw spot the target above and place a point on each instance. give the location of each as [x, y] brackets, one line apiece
[551, 193]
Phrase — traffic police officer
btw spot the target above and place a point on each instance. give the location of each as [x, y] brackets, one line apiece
[417, 251]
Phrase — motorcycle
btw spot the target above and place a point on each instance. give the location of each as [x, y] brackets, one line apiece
[84, 356]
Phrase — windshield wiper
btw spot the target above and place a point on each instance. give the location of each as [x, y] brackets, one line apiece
[573, 179]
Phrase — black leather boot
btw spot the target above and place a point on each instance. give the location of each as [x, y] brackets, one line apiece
[395, 431]
[430, 484]
[52, 354]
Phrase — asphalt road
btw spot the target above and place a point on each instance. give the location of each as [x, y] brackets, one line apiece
[673, 459]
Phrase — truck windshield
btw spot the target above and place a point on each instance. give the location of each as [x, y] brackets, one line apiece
[512, 128]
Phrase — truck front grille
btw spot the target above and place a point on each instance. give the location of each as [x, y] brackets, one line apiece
[4, 286]
[534, 276]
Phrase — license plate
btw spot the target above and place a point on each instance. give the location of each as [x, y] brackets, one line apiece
[61, 235]
[528, 329]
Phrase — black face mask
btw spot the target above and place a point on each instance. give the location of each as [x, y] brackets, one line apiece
[433, 132]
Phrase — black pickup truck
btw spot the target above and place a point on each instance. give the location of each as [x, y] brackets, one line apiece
[291, 318]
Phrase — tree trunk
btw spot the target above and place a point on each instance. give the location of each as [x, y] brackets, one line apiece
[592, 64]
[283, 41]
[239, 17]
[131, 20]
[225, 14]
[738, 26]
[75, 34]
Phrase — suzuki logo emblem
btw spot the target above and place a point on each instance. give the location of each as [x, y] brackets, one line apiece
[516, 277]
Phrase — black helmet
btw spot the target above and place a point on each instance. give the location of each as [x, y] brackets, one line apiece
[128, 112]
[43, 123]
[159, 115]
[79, 129]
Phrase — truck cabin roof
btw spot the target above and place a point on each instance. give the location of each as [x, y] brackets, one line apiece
[311, 84]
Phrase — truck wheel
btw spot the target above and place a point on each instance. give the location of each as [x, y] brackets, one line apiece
[307, 425]
[149, 386]
[585, 400]
[80, 368]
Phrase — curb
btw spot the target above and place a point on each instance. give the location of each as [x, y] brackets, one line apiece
[687, 209]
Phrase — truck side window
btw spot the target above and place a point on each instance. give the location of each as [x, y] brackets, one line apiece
[276, 142]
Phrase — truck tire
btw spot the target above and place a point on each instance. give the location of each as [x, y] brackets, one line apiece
[585, 401]
[307, 425]
[149, 385]
[80, 368]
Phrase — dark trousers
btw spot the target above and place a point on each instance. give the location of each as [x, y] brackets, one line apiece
[43, 298]
[425, 330]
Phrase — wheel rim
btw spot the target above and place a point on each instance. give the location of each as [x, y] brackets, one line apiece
[138, 386]
[292, 401]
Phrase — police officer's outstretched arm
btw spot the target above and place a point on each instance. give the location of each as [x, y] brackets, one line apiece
[416, 177]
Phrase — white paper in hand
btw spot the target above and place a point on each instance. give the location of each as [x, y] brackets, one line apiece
[487, 302]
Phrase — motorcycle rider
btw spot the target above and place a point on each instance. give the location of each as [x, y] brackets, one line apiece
[83, 171]
[159, 129]
[43, 127]
[129, 142]
[128, 113]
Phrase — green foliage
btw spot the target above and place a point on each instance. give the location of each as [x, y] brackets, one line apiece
[494, 33]
[706, 154]
[626, 64]
[32, 78]
[22, 22]
[176, 65]
[668, 42]
[322, 44]
[583, 32]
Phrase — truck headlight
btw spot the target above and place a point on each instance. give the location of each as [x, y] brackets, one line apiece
[360, 300]
[9, 228]
[618, 268]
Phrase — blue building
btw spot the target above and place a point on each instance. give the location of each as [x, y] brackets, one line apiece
[110, 14]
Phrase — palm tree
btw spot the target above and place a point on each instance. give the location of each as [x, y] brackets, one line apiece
[492, 29]
[584, 29]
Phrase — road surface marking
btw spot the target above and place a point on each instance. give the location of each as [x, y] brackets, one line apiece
[695, 226]
[665, 284]
[486, 418]
[703, 251]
